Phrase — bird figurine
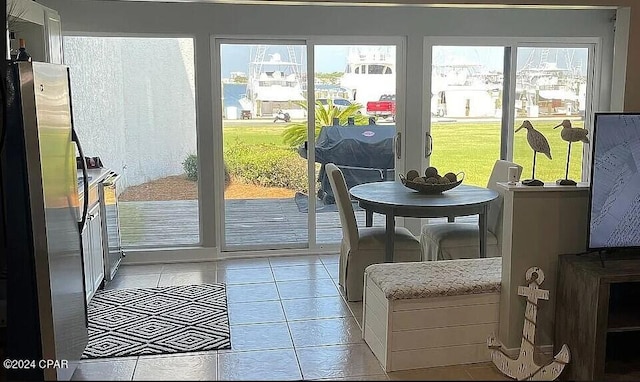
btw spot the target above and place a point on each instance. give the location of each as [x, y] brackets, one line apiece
[570, 134]
[538, 143]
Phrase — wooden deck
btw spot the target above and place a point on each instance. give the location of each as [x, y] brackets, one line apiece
[249, 222]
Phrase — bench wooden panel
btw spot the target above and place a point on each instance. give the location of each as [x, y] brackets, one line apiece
[411, 333]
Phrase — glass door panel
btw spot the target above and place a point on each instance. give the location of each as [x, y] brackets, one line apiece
[124, 114]
[355, 88]
[263, 93]
[551, 86]
[265, 138]
[466, 110]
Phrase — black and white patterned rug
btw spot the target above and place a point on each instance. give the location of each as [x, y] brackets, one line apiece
[175, 319]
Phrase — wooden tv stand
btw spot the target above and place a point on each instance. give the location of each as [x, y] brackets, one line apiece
[598, 315]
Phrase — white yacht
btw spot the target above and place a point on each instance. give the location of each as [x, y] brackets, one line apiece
[370, 73]
[549, 90]
[273, 84]
[552, 82]
[464, 90]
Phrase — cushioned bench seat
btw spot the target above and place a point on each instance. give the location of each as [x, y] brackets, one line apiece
[431, 313]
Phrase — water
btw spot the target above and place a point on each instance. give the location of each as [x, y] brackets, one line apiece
[232, 93]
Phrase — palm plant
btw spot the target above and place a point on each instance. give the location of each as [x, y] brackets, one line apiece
[296, 133]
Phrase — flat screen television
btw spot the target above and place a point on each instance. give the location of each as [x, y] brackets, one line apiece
[614, 201]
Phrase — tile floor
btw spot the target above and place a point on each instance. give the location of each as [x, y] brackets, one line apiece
[288, 321]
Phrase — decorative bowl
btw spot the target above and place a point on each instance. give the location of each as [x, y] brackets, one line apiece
[425, 188]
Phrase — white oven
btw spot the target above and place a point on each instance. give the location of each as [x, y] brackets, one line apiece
[109, 190]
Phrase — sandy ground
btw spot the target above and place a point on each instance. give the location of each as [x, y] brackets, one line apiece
[178, 187]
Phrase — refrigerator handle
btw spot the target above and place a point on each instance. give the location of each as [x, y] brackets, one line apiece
[85, 182]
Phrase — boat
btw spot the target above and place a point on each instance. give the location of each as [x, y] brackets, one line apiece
[370, 72]
[546, 85]
[465, 90]
[273, 84]
[551, 83]
[458, 89]
[550, 90]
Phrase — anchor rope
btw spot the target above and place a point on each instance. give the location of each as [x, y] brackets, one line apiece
[541, 367]
[534, 372]
[530, 320]
[530, 342]
[532, 303]
[533, 279]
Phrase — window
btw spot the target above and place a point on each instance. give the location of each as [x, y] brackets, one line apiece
[551, 86]
[466, 105]
[134, 107]
[376, 69]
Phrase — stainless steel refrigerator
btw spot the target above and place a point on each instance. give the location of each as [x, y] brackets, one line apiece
[42, 222]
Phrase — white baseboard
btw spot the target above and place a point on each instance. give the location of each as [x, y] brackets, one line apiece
[199, 254]
[169, 255]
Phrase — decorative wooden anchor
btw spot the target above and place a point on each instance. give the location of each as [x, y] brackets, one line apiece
[524, 367]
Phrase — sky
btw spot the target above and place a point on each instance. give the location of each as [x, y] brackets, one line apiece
[328, 58]
[334, 58]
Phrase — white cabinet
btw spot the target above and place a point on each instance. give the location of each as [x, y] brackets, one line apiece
[53, 33]
[86, 264]
[39, 26]
[97, 256]
[539, 224]
[92, 252]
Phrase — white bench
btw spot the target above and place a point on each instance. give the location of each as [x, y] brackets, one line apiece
[431, 313]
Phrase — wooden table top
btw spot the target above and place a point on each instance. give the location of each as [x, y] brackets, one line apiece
[395, 194]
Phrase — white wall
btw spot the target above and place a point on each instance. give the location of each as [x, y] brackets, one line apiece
[134, 103]
[411, 23]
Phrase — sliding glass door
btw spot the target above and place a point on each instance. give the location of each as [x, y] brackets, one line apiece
[264, 92]
[280, 125]
[481, 94]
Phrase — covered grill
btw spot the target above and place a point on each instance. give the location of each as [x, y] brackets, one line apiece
[363, 153]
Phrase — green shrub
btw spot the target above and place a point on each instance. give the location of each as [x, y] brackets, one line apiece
[267, 165]
[190, 165]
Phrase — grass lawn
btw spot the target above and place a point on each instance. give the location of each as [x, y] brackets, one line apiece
[254, 133]
[471, 147]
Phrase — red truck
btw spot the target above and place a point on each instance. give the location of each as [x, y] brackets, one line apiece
[385, 107]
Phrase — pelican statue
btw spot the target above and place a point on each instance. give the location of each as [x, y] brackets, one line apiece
[570, 134]
[538, 143]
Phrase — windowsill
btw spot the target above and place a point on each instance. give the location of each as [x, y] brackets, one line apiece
[548, 186]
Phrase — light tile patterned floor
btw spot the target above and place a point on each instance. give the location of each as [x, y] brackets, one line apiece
[288, 321]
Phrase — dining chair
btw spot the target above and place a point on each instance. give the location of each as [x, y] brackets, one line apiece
[362, 247]
[460, 239]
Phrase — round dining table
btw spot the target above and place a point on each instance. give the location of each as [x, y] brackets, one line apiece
[394, 199]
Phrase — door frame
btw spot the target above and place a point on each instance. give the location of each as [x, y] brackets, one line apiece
[218, 149]
[310, 42]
